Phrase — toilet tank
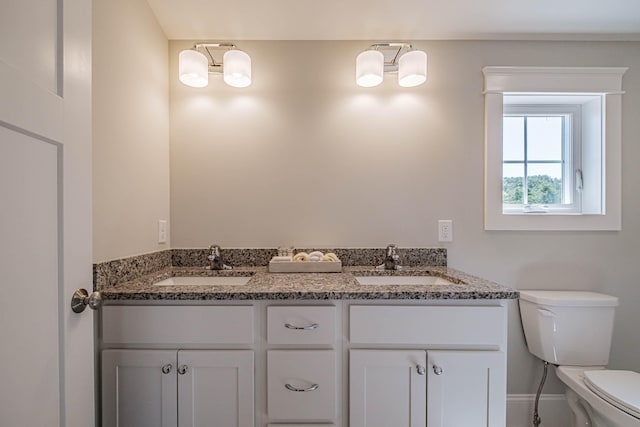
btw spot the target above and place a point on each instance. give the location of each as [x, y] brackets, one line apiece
[568, 327]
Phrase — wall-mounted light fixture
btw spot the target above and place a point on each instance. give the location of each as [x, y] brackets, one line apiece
[411, 65]
[194, 65]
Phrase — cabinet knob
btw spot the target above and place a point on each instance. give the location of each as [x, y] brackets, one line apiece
[302, 328]
[182, 369]
[420, 369]
[437, 370]
[167, 368]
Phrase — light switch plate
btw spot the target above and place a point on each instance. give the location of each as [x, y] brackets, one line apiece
[162, 231]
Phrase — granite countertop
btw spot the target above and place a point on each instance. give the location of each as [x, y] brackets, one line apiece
[308, 286]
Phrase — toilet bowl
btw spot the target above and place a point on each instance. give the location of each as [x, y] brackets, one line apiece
[573, 331]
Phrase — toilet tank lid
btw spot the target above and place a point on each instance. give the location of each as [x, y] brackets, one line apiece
[569, 298]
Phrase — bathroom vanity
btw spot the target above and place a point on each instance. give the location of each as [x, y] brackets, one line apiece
[305, 350]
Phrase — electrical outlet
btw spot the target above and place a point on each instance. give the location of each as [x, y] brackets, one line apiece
[445, 230]
[162, 231]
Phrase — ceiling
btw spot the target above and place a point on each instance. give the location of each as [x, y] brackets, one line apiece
[398, 19]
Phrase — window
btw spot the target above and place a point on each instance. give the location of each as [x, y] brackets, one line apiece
[551, 163]
[541, 147]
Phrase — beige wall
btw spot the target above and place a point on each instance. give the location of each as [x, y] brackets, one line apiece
[305, 157]
[130, 129]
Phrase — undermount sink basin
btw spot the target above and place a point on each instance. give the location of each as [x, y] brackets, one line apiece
[402, 280]
[204, 281]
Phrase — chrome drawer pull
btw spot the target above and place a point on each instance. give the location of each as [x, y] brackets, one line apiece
[292, 388]
[302, 328]
[437, 370]
[167, 368]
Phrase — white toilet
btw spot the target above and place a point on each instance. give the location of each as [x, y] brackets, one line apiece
[573, 330]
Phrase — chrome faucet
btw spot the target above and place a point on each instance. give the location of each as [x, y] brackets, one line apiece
[391, 259]
[215, 259]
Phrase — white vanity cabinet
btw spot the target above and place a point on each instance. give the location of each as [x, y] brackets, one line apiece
[149, 387]
[423, 384]
[341, 363]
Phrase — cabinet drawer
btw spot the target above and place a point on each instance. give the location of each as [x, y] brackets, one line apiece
[434, 326]
[168, 325]
[301, 324]
[301, 384]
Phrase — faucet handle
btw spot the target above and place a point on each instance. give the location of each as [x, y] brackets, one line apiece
[215, 258]
[391, 249]
[391, 259]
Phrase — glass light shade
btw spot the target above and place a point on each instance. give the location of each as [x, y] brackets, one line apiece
[193, 68]
[237, 68]
[412, 68]
[369, 68]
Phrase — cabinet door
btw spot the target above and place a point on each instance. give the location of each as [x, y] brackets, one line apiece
[139, 388]
[215, 388]
[466, 388]
[387, 388]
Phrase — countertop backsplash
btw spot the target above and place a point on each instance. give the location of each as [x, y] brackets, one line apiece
[111, 273]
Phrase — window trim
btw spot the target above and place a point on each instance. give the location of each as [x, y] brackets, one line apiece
[602, 81]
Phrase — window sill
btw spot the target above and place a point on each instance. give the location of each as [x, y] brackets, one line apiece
[552, 222]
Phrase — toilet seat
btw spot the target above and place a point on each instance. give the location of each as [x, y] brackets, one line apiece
[619, 388]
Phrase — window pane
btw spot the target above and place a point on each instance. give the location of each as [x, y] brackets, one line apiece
[513, 138]
[544, 138]
[544, 182]
[512, 184]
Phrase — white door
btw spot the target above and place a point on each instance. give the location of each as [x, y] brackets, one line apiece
[473, 380]
[215, 388]
[139, 388]
[46, 356]
[387, 388]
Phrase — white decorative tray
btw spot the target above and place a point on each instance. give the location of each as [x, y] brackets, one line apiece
[305, 267]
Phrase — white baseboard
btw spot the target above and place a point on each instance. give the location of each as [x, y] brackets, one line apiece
[552, 409]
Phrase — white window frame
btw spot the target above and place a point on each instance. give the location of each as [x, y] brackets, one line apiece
[571, 155]
[603, 81]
